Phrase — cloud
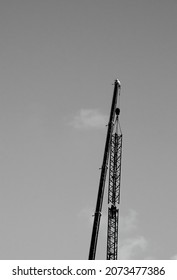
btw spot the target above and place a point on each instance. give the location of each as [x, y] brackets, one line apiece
[131, 247]
[131, 244]
[129, 222]
[174, 257]
[89, 118]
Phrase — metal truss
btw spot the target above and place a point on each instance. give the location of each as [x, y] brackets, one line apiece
[115, 169]
[113, 214]
[114, 195]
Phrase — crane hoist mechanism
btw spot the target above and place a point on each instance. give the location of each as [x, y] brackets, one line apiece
[112, 159]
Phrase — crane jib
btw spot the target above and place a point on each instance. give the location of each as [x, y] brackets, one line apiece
[97, 215]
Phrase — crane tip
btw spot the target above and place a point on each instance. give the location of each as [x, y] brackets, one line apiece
[117, 82]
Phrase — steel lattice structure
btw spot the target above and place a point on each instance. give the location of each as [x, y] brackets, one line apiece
[112, 240]
[115, 169]
[114, 194]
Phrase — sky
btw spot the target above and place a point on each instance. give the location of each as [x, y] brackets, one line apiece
[58, 63]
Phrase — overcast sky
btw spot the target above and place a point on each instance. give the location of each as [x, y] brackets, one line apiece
[58, 61]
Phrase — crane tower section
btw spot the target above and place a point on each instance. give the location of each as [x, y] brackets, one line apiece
[114, 190]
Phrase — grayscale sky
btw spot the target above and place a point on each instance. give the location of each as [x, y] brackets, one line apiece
[58, 61]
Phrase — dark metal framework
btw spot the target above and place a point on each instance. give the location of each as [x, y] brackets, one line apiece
[113, 150]
[112, 240]
[115, 169]
[114, 194]
[98, 209]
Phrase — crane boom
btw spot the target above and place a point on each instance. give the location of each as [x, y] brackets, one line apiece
[97, 215]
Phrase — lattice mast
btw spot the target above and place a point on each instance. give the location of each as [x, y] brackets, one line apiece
[97, 215]
[114, 190]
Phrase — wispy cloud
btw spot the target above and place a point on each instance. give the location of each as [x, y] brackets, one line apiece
[89, 118]
[132, 244]
[131, 247]
[129, 223]
[174, 257]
